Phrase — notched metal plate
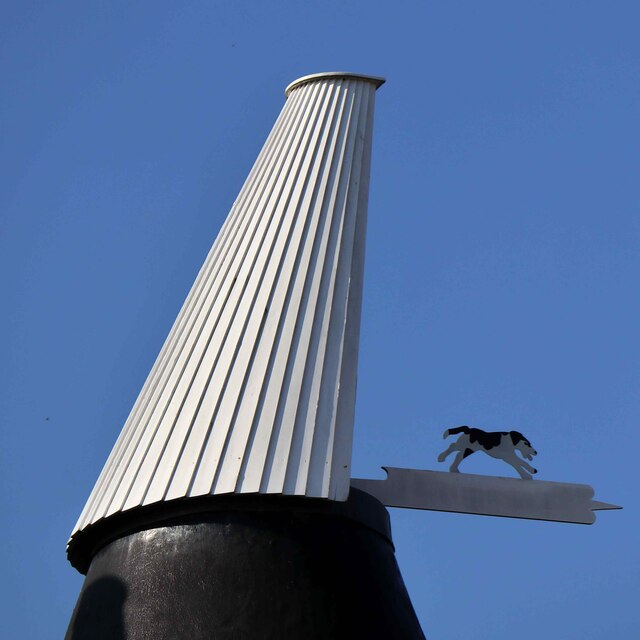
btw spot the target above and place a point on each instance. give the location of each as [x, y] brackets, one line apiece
[485, 495]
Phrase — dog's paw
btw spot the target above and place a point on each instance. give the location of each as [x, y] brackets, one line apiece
[441, 457]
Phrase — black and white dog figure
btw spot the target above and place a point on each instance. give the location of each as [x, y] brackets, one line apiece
[498, 444]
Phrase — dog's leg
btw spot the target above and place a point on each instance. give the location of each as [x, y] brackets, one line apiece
[456, 462]
[447, 452]
[516, 460]
[527, 466]
[519, 466]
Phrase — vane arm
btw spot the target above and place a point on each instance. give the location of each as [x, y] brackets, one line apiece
[485, 495]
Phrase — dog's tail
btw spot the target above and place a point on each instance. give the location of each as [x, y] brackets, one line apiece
[456, 430]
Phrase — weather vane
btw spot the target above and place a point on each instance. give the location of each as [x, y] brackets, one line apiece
[486, 495]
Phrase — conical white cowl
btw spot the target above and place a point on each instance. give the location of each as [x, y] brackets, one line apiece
[254, 389]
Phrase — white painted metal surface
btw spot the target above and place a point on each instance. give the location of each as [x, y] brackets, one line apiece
[254, 389]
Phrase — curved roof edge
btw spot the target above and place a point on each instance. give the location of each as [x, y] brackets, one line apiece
[377, 80]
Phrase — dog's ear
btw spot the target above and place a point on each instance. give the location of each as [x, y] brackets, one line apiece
[516, 437]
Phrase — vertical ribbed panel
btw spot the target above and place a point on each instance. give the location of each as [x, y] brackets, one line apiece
[254, 389]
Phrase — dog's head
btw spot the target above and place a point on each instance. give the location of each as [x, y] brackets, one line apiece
[523, 445]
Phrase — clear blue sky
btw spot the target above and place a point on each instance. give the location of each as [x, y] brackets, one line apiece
[501, 285]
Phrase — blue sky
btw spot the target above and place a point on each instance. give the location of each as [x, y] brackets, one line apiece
[501, 284]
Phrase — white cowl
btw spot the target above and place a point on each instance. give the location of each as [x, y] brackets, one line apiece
[254, 388]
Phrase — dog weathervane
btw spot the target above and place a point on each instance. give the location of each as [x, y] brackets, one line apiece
[486, 495]
[498, 444]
